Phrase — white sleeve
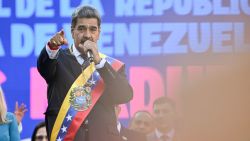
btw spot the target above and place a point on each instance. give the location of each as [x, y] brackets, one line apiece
[20, 127]
[52, 53]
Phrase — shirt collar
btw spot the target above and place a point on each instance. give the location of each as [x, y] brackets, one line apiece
[75, 51]
[169, 134]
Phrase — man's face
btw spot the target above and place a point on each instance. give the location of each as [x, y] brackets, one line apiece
[85, 29]
[142, 122]
[164, 115]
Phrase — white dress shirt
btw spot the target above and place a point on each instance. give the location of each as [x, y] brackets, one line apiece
[54, 53]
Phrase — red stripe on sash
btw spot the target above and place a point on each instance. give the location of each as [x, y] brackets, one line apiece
[81, 116]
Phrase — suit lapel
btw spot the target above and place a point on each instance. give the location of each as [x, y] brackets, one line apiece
[75, 67]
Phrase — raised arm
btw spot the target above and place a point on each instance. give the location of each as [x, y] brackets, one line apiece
[46, 63]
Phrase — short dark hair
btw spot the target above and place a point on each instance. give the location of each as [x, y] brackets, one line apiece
[85, 12]
[38, 126]
[163, 100]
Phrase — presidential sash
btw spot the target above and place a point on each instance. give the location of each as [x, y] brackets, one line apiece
[79, 101]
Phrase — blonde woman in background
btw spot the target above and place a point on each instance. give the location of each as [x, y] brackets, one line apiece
[8, 122]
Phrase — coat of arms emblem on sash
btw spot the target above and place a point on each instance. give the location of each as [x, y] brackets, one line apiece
[80, 97]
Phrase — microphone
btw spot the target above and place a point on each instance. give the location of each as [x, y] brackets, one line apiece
[90, 56]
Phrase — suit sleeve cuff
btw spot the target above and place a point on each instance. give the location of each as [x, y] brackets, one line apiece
[101, 64]
[52, 53]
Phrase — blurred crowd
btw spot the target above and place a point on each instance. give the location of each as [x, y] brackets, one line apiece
[160, 125]
[215, 107]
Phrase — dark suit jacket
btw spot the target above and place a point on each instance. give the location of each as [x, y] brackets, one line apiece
[131, 135]
[60, 73]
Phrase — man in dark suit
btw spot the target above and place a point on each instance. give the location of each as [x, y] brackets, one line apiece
[165, 119]
[62, 67]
